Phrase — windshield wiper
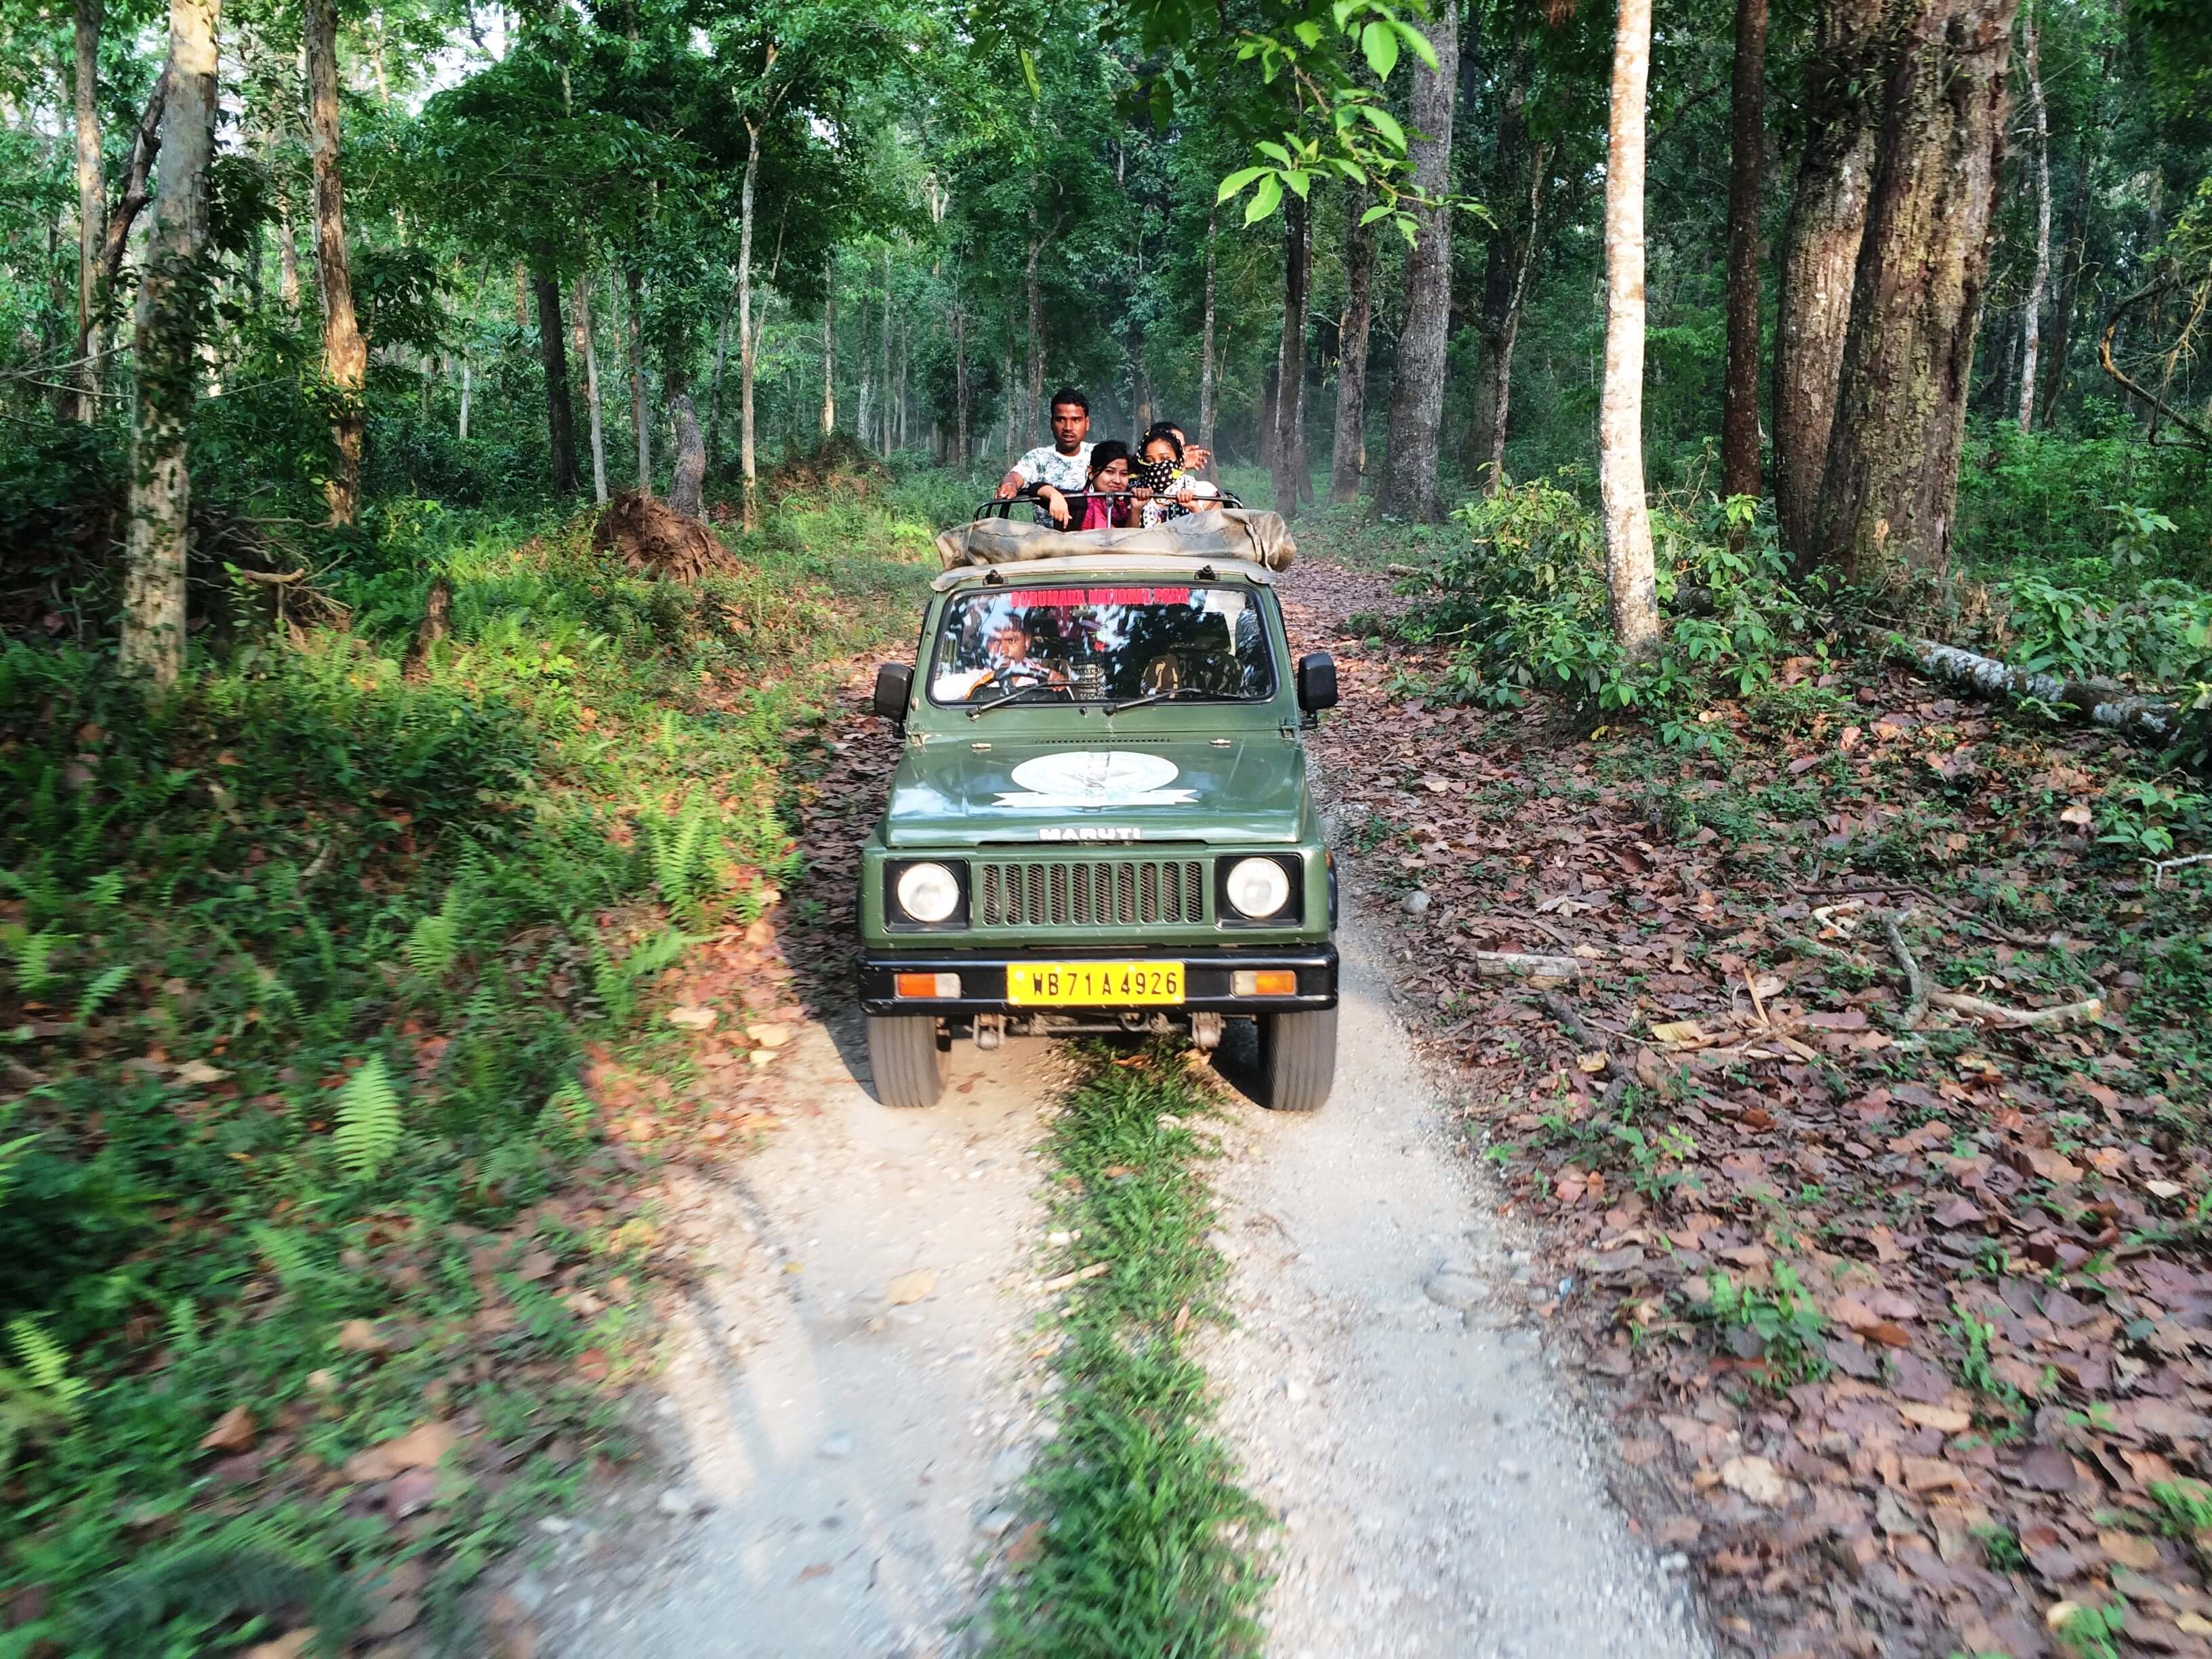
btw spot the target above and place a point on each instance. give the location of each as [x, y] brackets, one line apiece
[1015, 695]
[1171, 692]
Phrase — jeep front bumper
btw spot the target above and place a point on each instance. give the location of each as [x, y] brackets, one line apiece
[1207, 978]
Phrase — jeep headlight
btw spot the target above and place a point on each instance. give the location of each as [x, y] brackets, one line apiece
[928, 892]
[1257, 887]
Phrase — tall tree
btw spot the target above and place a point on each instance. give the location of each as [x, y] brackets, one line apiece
[174, 293]
[1207, 373]
[1417, 394]
[1348, 455]
[1819, 254]
[1630, 575]
[345, 354]
[2032, 330]
[1747, 174]
[1891, 483]
[91, 204]
[1285, 446]
[633, 333]
[748, 336]
[587, 348]
[553, 354]
[829, 344]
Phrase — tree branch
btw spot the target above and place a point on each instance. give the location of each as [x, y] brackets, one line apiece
[2200, 437]
[138, 189]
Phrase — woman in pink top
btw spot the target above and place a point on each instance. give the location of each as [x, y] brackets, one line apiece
[1104, 503]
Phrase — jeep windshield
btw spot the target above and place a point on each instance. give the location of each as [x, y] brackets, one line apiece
[1102, 644]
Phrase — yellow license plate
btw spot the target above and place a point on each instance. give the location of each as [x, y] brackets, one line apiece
[1094, 984]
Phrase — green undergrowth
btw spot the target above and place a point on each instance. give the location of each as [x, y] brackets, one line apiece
[1144, 1542]
[1518, 598]
[1515, 595]
[297, 966]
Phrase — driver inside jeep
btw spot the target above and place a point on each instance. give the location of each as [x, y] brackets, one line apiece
[1102, 644]
[1010, 662]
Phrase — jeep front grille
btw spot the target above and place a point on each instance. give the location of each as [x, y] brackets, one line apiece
[1090, 893]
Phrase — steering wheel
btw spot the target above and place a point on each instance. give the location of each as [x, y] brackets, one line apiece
[1000, 682]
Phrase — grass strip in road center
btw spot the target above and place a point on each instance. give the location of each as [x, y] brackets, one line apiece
[1141, 1542]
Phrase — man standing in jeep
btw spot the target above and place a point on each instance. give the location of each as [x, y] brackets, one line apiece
[1064, 462]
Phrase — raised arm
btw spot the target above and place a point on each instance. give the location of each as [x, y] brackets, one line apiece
[1011, 485]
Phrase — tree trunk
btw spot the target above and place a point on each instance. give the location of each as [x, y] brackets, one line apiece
[1349, 441]
[287, 254]
[1417, 396]
[633, 343]
[687, 481]
[1500, 388]
[1746, 173]
[959, 382]
[747, 432]
[173, 294]
[1628, 574]
[345, 354]
[467, 386]
[587, 348]
[553, 352]
[714, 384]
[1034, 381]
[1291, 359]
[521, 296]
[884, 349]
[2061, 314]
[1207, 392]
[91, 206]
[830, 345]
[1506, 246]
[1891, 479]
[2032, 331]
[1819, 253]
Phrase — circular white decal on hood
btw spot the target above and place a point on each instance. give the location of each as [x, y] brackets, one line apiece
[1118, 777]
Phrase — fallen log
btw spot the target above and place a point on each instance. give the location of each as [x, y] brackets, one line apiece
[1516, 964]
[2086, 1013]
[2142, 720]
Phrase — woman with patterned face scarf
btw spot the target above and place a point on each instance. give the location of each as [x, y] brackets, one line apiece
[1164, 490]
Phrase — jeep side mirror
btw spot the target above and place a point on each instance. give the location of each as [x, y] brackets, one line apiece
[1316, 682]
[894, 687]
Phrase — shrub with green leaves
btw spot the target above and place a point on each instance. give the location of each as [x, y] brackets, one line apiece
[1522, 602]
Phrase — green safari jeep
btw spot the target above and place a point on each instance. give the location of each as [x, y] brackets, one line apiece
[1101, 821]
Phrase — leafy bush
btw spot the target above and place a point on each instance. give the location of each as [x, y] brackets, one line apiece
[2160, 634]
[1522, 601]
[2072, 508]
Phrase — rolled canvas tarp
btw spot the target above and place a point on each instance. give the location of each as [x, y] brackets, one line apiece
[1228, 532]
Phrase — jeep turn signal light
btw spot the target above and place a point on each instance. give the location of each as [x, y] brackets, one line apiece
[929, 984]
[1267, 982]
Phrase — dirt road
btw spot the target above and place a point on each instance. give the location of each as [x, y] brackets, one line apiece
[854, 1396]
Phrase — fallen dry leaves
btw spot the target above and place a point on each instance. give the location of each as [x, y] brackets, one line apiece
[2004, 1314]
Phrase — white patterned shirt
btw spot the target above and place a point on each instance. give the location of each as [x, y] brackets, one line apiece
[1046, 465]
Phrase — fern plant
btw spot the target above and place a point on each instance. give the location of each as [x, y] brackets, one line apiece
[368, 1121]
[45, 1362]
[105, 985]
[617, 983]
[687, 850]
[34, 956]
[435, 938]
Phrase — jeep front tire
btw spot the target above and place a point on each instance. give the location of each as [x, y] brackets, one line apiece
[1298, 1059]
[908, 1059]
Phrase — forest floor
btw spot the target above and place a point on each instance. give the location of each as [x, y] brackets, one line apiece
[1893, 1243]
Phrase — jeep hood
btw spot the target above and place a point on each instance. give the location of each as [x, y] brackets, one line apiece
[1167, 789]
